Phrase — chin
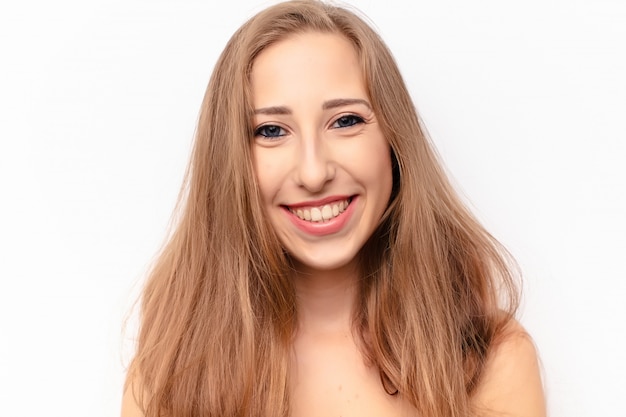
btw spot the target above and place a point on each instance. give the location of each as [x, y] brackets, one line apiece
[325, 264]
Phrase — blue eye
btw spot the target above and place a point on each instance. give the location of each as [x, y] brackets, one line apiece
[347, 121]
[270, 131]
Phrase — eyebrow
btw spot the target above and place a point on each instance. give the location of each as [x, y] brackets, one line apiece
[330, 104]
[339, 102]
[273, 110]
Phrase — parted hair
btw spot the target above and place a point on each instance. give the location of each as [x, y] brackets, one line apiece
[218, 312]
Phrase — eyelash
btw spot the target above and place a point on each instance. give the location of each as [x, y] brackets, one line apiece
[259, 131]
[351, 119]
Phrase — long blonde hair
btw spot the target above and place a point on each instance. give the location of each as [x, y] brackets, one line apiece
[218, 310]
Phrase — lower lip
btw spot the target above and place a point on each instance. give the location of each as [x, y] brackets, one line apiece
[324, 228]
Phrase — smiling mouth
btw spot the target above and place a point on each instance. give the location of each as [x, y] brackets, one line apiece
[323, 213]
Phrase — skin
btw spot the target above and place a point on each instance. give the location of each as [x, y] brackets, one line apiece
[316, 151]
[306, 150]
[318, 139]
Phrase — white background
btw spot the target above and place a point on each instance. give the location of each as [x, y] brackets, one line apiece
[526, 101]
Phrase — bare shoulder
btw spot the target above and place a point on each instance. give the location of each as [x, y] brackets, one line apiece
[130, 405]
[511, 383]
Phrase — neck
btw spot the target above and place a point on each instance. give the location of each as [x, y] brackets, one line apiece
[326, 299]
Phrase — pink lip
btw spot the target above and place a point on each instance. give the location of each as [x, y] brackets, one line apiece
[320, 202]
[329, 227]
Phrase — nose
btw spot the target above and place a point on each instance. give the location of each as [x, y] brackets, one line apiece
[315, 165]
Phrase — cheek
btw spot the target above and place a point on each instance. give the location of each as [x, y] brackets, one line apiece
[385, 176]
[381, 174]
[374, 163]
[267, 173]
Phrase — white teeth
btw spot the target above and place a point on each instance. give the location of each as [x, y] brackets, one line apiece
[323, 213]
[316, 214]
[327, 212]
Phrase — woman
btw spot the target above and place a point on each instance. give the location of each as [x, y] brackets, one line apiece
[322, 264]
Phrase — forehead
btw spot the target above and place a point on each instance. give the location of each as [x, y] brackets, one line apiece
[303, 64]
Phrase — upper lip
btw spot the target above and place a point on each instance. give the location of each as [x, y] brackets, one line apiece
[320, 202]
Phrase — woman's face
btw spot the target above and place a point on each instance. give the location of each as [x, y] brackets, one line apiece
[323, 165]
